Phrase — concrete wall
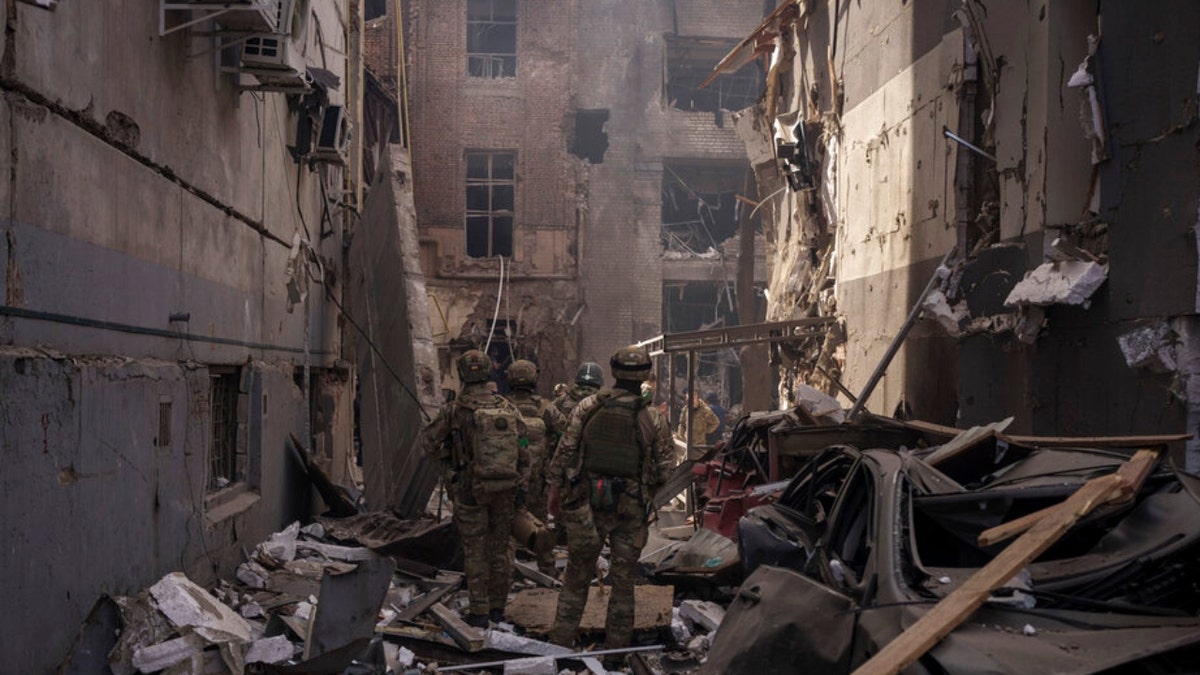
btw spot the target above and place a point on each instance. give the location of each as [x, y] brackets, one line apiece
[139, 184]
[898, 195]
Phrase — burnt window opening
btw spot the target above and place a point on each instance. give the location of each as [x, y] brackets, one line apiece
[491, 187]
[373, 9]
[690, 60]
[700, 208]
[700, 305]
[226, 465]
[163, 439]
[492, 38]
[590, 141]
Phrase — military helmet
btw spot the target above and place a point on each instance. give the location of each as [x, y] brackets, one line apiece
[522, 373]
[589, 375]
[630, 363]
[474, 366]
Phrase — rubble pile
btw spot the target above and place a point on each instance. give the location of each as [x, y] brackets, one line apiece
[339, 595]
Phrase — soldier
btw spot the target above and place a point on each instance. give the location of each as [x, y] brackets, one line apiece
[545, 425]
[480, 440]
[588, 380]
[615, 454]
[705, 424]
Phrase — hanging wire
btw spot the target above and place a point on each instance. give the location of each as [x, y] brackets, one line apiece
[496, 313]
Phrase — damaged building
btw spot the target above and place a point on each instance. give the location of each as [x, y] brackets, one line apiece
[1035, 162]
[180, 184]
[576, 189]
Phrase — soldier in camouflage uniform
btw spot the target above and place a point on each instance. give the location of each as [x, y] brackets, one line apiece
[480, 441]
[545, 425]
[616, 452]
[588, 381]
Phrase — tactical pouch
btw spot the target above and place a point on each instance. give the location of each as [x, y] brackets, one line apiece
[601, 494]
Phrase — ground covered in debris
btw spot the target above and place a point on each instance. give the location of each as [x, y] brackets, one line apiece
[375, 594]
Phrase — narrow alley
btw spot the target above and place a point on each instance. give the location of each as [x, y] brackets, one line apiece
[543, 337]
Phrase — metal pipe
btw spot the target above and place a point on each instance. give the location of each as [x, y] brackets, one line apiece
[556, 657]
[958, 139]
[898, 340]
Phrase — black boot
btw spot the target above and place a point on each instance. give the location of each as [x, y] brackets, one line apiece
[495, 615]
[477, 620]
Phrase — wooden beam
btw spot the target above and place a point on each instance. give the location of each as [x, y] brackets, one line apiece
[1132, 473]
[535, 575]
[465, 636]
[431, 597]
[952, 610]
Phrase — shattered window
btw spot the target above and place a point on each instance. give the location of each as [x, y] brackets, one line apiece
[700, 206]
[225, 465]
[690, 60]
[492, 38]
[491, 188]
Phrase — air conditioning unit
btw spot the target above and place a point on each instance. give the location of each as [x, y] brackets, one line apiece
[274, 59]
[333, 141]
[253, 16]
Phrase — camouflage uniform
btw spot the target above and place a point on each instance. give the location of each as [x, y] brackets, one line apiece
[533, 406]
[484, 518]
[567, 402]
[624, 526]
[706, 423]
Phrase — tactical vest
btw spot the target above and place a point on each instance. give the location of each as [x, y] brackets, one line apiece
[494, 442]
[611, 441]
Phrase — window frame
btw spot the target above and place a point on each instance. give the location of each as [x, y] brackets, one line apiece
[496, 218]
[226, 458]
[492, 64]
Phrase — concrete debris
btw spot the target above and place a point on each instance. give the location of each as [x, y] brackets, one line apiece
[950, 318]
[819, 404]
[253, 575]
[1150, 347]
[1069, 282]
[1091, 115]
[163, 655]
[280, 547]
[187, 605]
[707, 615]
[270, 650]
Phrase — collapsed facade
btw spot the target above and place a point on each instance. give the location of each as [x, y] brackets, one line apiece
[576, 190]
[1045, 153]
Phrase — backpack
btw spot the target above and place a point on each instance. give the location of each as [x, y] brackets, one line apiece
[494, 442]
[535, 426]
[611, 441]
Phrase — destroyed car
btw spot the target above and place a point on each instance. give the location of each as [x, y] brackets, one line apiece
[862, 543]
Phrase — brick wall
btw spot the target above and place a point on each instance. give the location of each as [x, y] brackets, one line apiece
[599, 54]
[528, 114]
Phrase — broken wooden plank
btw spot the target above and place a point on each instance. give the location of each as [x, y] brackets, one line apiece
[534, 574]
[943, 431]
[467, 637]
[952, 610]
[1132, 473]
[423, 603]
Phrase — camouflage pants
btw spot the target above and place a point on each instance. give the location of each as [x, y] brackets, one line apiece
[625, 529]
[484, 521]
[536, 502]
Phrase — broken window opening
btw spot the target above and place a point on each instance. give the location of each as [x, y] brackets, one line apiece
[226, 465]
[700, 209]
[702, 305]
[492, 38]
[690, 60]
[590, 141]
[163, 439]
[491, 186]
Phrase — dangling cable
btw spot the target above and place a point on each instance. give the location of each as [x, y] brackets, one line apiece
[496, 313]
